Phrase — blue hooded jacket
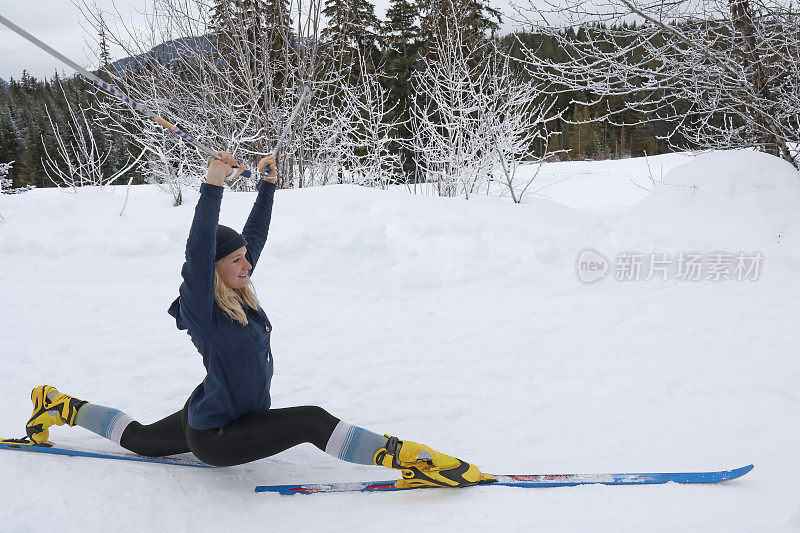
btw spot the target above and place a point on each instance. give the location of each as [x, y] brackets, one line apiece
[237, 358]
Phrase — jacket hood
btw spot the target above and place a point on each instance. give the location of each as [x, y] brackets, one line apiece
[175, 312]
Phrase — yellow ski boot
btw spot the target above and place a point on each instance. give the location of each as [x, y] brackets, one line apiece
[50, 407]
[425, 467]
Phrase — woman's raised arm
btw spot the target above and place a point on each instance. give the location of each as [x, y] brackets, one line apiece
[257, 227]
[197, 289]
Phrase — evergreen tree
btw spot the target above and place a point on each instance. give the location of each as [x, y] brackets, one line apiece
[477, 20]
[401, 31]
[352, 28]
[223, 15]
[10, 140]
[401, 47]
[263, 24]
[278, 38]
[105, 54]
[248, 31]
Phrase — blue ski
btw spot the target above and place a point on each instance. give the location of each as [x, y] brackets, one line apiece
[526, 481]
[23, 446]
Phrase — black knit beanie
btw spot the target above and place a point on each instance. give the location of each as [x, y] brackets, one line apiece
[228, 240]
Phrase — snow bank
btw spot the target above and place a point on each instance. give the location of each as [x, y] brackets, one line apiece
[737, 199]
[597, 184]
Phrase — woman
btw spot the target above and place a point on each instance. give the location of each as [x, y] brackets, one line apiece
[227, 419]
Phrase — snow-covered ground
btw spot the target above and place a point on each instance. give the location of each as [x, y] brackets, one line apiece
[461, 324]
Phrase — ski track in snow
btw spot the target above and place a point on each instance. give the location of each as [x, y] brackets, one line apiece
[460, 324]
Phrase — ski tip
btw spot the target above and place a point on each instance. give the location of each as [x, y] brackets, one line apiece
[728, 475]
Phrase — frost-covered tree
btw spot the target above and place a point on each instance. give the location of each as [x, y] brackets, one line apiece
[348, 131]
[79, 157]
[6, 187]
[447, 133]
[449, 150]
[5, 182]
[366, 131]
[473, 120]
[724, 73]
[519, 122]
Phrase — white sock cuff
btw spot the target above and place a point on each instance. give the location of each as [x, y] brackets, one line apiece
[338, 438]
[118, 425]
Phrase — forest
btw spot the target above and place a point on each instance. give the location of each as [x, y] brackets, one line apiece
[431, 94]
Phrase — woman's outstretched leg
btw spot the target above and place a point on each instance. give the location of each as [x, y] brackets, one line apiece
[264, 433]
[260, 434]
[165, 437]
[51, 407]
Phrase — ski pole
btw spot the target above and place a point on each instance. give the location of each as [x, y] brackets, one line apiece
[287, 128]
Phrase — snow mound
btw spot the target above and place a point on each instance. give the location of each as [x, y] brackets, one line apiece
[740, 198]
[364, 229]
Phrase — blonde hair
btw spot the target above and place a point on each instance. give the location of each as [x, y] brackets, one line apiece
[232, 301]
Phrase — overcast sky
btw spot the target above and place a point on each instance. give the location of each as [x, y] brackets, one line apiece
[58, 23]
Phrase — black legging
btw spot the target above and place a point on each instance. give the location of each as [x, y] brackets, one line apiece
[253, 436]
